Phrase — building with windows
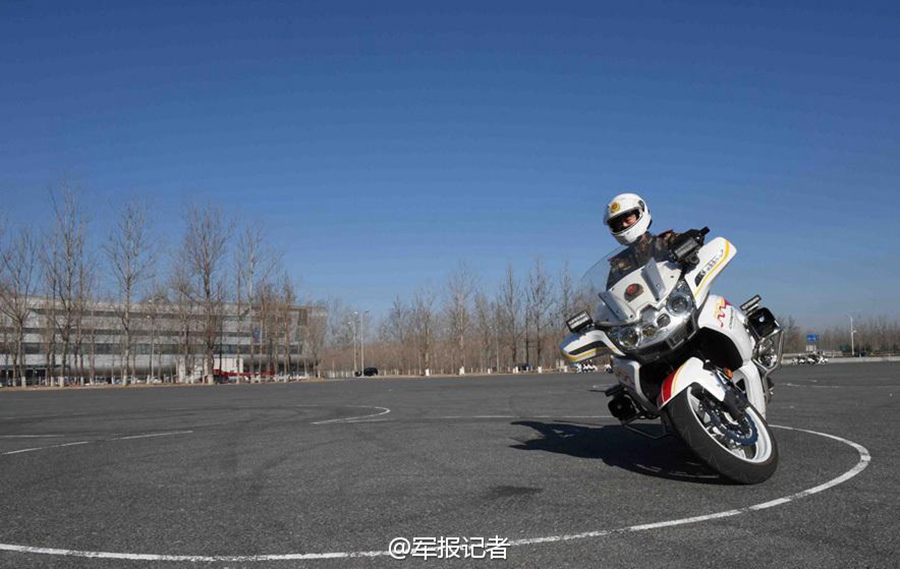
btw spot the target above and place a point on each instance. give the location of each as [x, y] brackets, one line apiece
[169, 342]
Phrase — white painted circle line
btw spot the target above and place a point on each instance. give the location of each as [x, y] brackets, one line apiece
[150, 435]
[384, 411]
[143, 436]
[20, 451]
[864, 459]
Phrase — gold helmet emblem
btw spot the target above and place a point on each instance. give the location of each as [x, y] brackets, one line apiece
[614, 207]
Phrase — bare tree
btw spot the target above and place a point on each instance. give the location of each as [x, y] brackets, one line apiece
[459, 289]
[793, 340]
[486, 328]
[184, 305]
[424, 327]
[267, 312]
[17, 288]
[206, 244]
[156, 305]
[340, 334]
[84, 308]
[394, 332]
[539, 297]
[254, 263]
[510, 304]
[131, 257]
[62, 259]
[565, 300]
[315, 333]
[288, 320]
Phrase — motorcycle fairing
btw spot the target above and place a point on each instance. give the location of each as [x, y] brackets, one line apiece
[655, 280]
[579, 347]
[722, 317]
[690, 373]
[753, 386]
[628, 372]
[712, 258]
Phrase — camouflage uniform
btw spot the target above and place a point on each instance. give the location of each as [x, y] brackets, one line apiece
[638, 253]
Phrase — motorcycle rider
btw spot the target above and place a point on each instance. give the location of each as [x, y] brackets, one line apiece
[629, 220]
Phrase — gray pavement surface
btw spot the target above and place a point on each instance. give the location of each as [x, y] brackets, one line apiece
[230, 472]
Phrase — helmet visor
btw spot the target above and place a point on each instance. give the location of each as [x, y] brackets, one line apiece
[624, 220]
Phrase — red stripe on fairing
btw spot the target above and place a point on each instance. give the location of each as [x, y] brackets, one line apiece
[666, 393]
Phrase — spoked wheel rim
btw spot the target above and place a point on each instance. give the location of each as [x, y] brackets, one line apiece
[716, 422]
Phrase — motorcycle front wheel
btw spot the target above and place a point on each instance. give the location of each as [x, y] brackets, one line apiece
[741, 449]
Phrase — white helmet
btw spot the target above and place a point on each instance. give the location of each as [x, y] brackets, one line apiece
[619, 209]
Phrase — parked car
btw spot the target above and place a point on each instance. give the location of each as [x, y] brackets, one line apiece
[370, 371]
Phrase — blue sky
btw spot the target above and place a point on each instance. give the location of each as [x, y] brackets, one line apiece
[381, 143]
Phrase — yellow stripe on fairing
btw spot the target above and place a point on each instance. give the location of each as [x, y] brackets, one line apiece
[584, 356]
[713, 271]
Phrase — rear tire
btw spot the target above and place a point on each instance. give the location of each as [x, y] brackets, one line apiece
[750, 464]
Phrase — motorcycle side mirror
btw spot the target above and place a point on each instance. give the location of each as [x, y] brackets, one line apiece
[579, 322]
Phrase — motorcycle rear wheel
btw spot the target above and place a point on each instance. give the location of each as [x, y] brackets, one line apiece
[700, 426]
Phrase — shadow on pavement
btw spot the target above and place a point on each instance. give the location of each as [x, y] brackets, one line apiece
[617, 446]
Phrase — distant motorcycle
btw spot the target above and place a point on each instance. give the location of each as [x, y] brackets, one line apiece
[812, 359]
[684, 355]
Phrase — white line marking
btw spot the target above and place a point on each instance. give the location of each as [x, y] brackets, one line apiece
[43, 448]
[384, 411]
[454, 417]
[476, 417]
[567, 417]
[837, 386]
[191, 558]
[147, 436]
[864, 459]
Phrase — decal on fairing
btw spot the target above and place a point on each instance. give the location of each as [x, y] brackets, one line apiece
[633, 291]
[720, 313]
[713, 266]
[708, 267]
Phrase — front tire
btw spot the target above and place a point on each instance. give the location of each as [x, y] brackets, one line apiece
[699, 422]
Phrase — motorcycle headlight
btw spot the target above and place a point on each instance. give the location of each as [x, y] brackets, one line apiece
[681, 301]
[649, 330]
[657, 325]
[629, 337]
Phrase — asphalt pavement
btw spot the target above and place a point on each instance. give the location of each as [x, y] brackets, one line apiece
[530, 467]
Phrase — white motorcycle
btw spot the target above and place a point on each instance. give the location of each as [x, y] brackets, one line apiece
[682, 354]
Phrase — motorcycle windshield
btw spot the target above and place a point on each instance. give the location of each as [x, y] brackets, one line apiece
[630, 278]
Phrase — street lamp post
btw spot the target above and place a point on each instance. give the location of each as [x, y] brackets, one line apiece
[852, 332]
[362, 342]
[152, 337]
[353, 327]
[359, 339]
